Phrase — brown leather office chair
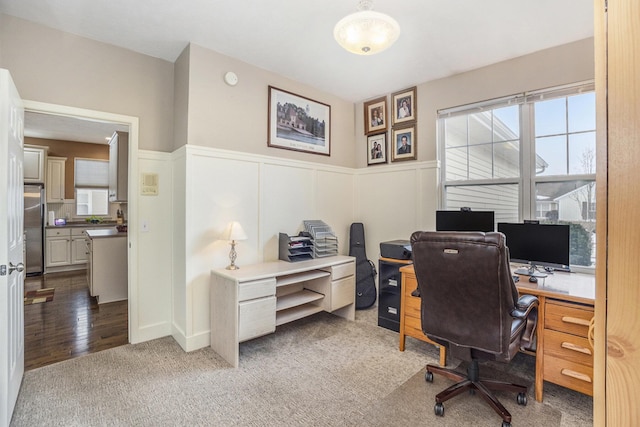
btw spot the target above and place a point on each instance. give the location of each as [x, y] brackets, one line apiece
[470, 304]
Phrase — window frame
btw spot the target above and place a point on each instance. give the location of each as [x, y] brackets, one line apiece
[527, 179]
[102, 185]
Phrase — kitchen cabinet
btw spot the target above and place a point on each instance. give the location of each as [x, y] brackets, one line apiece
[78, 246]
[65, 248]
[54, 185]
[118, 166]
[58, 247]
[34, 163]
[107, 270]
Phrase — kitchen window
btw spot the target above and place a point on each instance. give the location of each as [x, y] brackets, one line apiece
[91, 187]
[527, 156]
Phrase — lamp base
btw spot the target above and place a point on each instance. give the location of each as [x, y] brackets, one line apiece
[232, 256]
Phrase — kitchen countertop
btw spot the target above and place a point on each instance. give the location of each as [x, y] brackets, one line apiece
[105, 232]
[84, 224]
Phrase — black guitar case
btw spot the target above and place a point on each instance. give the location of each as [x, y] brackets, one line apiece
[365, 269]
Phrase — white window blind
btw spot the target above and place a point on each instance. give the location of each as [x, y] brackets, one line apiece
[91, 173]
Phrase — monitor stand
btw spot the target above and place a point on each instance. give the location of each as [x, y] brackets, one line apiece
[530, 271]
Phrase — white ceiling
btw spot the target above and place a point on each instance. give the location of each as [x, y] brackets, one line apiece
[64, 128]
[294, 38]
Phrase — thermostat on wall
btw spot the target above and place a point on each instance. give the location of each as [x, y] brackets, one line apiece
[149, 184]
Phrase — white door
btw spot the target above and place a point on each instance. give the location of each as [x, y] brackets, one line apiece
[11, 246]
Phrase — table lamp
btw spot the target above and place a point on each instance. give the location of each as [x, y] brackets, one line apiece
[232, 233]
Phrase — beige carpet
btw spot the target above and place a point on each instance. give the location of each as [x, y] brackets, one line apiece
[320, 371]
[413, 403]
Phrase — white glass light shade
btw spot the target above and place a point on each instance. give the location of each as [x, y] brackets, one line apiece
[366, 32]
[234, 231]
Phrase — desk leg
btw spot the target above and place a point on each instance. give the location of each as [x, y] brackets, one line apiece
[540, 350]
[443, 355]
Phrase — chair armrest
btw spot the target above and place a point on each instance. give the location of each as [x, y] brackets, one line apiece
[523, 307]
[527, 309]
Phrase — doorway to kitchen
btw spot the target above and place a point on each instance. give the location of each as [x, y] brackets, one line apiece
[81, 325]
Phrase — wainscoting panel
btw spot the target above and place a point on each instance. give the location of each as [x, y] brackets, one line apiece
[267, 196]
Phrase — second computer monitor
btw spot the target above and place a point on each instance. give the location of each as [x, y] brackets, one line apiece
[465, 221]
[538, 244]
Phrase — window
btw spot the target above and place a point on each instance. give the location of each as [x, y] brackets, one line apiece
[91, 187]
[528, 156]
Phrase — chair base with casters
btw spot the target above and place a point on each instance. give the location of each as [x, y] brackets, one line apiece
[472, 383]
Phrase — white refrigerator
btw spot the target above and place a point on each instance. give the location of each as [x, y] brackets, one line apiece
[34, 228]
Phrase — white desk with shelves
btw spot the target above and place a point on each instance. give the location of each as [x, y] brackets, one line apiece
[250, 302]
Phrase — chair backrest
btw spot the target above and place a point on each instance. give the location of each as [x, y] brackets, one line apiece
[466, 288]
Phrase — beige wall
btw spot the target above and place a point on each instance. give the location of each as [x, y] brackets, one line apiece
[60, 68]
[560, 65]
[235, 117]
[181, 99]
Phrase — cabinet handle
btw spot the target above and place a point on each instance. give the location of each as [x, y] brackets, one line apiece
[575, 320]
[574, 347]
[576, 375]
[590, 334]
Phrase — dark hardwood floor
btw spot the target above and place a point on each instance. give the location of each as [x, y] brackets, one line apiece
[71, 325]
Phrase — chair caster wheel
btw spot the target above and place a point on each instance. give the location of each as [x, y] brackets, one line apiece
[439, 409]
[428, 377]
[522, 399]
[506, 424]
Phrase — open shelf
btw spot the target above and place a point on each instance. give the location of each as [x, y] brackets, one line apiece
[295, 313]
[301, 277]
[298, 298]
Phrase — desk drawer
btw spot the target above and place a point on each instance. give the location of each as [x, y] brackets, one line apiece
[568, 347]
[256, 318]
[343, 270]
[572, 375]
[566, 317]
[343, 292]
[412, 307]
[410, 284]
[413, 323]
[256, 289]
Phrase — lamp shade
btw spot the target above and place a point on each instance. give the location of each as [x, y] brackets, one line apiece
[366, 32]
[234, 231]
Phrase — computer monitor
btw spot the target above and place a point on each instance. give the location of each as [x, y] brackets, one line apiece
[545, 245]
[465, 220]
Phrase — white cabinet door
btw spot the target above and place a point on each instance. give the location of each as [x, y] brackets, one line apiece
[55, 179]
[58, 252]
[34, 164]
[78, 250]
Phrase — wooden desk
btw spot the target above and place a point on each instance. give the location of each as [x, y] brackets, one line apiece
[410, 322]
[563, 354]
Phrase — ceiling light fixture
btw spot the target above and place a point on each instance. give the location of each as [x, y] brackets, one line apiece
[366, 32]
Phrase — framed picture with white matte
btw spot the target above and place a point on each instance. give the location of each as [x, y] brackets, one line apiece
[377, 149]
[298, 123]
[404, 144]
[375, 116]
[404, 106]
